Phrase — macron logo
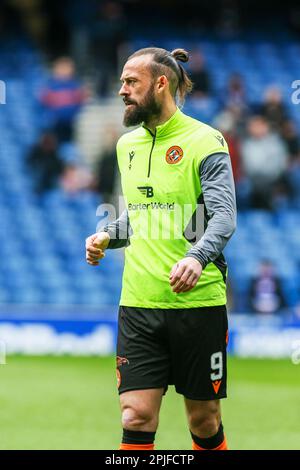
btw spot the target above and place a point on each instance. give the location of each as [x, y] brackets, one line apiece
[220, 139]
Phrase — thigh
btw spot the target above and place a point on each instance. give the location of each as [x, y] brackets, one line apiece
[198, 351]
[143, 359]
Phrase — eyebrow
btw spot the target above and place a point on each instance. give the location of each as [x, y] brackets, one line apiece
[129, 77]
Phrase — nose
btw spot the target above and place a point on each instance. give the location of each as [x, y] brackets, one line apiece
[123, 90]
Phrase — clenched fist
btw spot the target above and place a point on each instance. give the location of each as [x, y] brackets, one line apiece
[95, 246]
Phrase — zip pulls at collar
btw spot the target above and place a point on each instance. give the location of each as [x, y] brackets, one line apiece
[150, 155]
[174, 120]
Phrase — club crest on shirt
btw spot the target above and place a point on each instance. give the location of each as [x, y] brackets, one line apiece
[174, 154]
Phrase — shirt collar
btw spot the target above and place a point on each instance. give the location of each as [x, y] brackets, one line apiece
[167, 126]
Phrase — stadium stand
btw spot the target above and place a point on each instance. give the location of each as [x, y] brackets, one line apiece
[42, 237]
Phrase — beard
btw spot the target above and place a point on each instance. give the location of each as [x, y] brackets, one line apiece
[143, 112]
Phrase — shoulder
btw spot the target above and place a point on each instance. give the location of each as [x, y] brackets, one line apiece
[214, 142]
[206, 139]
[206, 135]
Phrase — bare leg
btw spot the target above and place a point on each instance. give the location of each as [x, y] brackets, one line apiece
[140, 409]
[204, 417]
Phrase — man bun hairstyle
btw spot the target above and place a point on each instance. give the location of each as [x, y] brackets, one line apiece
[167, 63]
[185, 85]
[180, 54]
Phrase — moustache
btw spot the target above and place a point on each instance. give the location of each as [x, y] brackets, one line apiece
[129, 102]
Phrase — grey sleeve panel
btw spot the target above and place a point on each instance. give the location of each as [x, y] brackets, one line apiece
[119, 231]
[219, 198]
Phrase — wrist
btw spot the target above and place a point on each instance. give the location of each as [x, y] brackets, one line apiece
[196, 258]
[106, 231]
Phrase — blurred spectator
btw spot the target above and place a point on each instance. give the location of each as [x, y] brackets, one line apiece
[63, 98]
[76, 178]
[106, 170]
[200, 104]
[108, 32]
[45, 163]
[226, 123]
[234, 101]
[199, 75]
[235, 95]
[273, 108]
[293, 177]
[264, 159]
[266, 294]
[291, 138]
[80, 16]
[76, 175]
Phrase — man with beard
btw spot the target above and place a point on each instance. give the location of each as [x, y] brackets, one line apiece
[172, 315]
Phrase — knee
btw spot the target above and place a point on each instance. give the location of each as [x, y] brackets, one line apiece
[139, 419]
[205, 423]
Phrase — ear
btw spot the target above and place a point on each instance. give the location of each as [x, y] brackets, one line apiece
[162, 82]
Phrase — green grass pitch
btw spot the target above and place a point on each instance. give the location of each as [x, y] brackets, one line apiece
[72, 403]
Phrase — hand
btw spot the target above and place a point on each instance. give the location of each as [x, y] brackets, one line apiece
[95, 246]
[185, 274]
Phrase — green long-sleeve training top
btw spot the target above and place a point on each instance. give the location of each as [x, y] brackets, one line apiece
[173, 179]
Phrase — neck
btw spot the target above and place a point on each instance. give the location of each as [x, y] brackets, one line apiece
[167, 111]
